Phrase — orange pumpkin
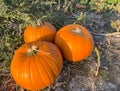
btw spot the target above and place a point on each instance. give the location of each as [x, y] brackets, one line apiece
[44, 31]
[36, 65]
[75, 42]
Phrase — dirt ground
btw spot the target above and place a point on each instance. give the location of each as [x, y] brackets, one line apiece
[81, 76]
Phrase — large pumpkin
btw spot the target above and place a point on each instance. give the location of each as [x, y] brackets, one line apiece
[36, 65]
[44, 31]
[75, 42]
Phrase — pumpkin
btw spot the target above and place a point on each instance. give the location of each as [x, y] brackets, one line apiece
[36, 65]
[75, 42]
[43, 31]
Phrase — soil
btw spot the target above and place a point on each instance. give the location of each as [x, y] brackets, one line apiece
[81, 76]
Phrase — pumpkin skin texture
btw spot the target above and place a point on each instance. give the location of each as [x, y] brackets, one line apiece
[75, 42]
[40, 68]
[45, 32]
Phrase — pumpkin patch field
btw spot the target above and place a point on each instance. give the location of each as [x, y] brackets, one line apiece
[59, 45]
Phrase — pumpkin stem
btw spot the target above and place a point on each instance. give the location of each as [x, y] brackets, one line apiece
[77, 31]
[39, 22]
[33, 50]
